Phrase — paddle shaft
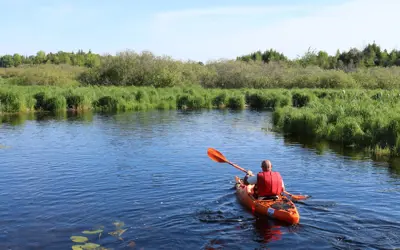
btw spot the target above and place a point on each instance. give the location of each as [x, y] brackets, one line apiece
[236, 166]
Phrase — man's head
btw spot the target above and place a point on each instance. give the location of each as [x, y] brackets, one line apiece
[266, 166]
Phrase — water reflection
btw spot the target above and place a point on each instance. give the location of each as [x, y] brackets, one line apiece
[394, 165]
[268, 230]
[321, 147]
[146, 120]
[150, 170]
[214, 244]
[22, 118]
[16, 119]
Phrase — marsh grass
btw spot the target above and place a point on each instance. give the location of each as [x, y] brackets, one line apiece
[354, 118]
[358, 118]
[14, 98]
[268, 99]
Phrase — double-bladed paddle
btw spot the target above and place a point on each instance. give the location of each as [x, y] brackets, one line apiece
[217, 156]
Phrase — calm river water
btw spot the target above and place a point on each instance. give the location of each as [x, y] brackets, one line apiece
[149, 171]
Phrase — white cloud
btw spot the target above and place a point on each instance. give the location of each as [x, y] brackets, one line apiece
[224, 32]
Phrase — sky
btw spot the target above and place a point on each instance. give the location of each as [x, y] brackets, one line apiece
[199, 30]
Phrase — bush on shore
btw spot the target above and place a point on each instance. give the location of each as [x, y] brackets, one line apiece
[129, 68]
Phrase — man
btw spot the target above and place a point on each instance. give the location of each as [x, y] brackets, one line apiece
[269, 184]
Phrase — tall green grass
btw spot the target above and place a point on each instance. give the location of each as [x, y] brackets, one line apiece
[354, 118]
[17, 99]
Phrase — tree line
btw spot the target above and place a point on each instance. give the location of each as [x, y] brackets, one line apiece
[371, 55]
[80, 58]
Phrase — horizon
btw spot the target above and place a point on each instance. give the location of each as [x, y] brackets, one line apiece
[198, 31]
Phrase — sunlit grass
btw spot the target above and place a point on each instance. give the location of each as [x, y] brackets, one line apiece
[352, 117]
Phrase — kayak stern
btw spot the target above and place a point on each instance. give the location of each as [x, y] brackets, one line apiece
[282, 208]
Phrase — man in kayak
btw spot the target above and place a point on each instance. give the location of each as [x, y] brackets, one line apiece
[269, 184]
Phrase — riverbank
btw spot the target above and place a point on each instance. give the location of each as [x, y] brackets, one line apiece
[14, 99]
[356, 118]
[353, 118]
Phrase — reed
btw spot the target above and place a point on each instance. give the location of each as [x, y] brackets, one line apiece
[15, 98]
[355, 118]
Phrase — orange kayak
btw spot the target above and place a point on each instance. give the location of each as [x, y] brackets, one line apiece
[282, 208]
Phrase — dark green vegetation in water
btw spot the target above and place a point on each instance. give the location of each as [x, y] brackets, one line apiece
[82, 242]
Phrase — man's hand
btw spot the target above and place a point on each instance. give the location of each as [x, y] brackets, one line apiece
[250, 173]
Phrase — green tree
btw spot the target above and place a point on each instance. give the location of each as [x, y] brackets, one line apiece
[323, 59]
[383, 58]
[309, 58]
[40, 57]
[273, 55]
[78, 60]
[7, 61]
[370, 53]
[92, 60]
[64, 58]
[333, 60]
[17, 59]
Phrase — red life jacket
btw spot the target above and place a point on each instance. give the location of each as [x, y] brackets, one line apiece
[269, 183]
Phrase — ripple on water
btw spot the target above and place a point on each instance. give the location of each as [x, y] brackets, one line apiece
[150, 170]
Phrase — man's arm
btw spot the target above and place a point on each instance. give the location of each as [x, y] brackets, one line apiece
[250, 178]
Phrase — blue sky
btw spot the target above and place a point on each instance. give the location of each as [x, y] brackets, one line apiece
[197, 29]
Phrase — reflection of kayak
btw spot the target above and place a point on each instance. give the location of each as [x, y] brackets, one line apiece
[281, 208]
[268, 230]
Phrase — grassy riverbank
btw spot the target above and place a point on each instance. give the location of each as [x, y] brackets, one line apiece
[16, 99]
[351, 98]
[102, 98]
[354, 118]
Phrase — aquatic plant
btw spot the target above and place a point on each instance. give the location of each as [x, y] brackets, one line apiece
[12, 102]
[119, 230]
[236, 102]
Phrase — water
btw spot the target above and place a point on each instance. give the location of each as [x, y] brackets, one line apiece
[65, 174]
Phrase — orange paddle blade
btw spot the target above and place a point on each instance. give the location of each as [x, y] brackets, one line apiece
[215, 155]
[297, 197]
[300, 197]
